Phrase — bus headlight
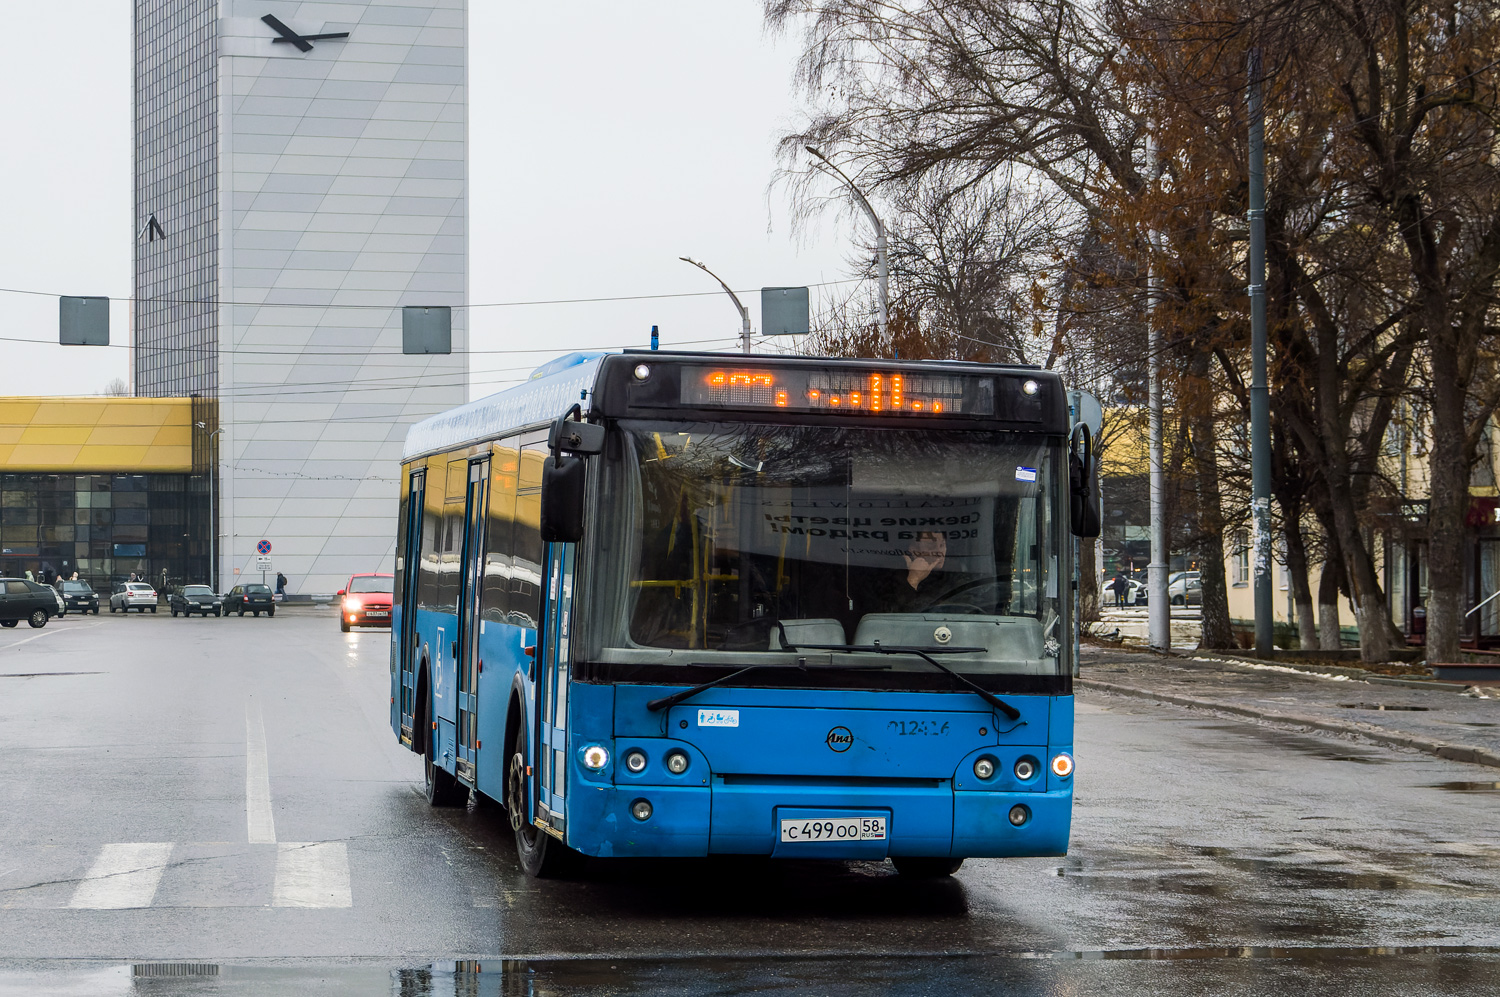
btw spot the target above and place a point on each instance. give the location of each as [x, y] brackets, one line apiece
[595, 757]
[641, 810]
[1025, 769]
[1019, 814]
[635, 761]
[1062, 765]
[677, 762]
[984, 768]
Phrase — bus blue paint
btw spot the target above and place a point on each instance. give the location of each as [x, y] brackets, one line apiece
[825, 734]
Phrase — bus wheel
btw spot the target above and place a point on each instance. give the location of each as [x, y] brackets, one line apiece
[442, 789]
[926, 866]
[542, 856]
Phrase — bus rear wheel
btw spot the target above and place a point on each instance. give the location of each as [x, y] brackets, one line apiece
[926, 866]
[542, 856]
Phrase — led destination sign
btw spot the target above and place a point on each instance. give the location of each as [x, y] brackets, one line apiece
[876, 392]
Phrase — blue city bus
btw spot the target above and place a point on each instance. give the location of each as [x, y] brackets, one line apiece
[704, 604]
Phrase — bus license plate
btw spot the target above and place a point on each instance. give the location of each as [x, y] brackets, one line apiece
[834, 829]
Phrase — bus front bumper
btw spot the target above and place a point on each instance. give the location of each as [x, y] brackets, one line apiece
[736, 819]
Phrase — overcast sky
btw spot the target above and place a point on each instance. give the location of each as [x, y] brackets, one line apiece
[605, 141]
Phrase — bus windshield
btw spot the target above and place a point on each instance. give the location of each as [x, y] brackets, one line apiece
[742, 538]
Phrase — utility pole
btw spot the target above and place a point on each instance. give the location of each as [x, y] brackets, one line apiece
[1260, 411]
[1158, 606]
[744, 312]
[881, 268]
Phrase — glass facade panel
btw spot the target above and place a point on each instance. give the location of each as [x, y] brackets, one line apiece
[163, 529]
[176, 184]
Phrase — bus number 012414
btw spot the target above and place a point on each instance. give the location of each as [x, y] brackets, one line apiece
[908, 728]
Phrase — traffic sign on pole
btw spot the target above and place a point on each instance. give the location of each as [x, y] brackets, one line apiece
[264, 547]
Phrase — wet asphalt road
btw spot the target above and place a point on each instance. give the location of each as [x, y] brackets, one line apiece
[1209, 856]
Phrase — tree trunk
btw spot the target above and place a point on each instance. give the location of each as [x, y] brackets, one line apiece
[1296, 570]
[1216, 631]
[1088, 580]
[1449, 482]
[1329, 586]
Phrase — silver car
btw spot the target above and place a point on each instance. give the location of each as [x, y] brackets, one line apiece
[138, 596]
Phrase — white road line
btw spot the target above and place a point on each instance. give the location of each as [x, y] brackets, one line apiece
[312, 874]
[49, 633]
[259, 821]
[124, 875]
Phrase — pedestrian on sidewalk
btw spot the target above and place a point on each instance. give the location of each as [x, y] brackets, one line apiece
[1118, 584]
[281, 584]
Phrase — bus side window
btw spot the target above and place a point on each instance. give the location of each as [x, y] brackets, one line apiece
[427, 566]
[505, 462]
[526, 575]
[449, 567]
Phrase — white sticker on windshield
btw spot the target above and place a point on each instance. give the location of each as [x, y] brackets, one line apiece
[718, 718]
[1025, 474]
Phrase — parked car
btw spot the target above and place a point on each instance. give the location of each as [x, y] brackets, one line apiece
[1185, 588]
[253, 599]
[139, 596]
[79, 597]
[195, 599]
[366, 601]
[1135, 593]
[23, 600]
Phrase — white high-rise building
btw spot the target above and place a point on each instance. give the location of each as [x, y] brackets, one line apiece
[301, 177]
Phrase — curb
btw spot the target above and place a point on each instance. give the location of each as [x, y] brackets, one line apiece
[1442, 749]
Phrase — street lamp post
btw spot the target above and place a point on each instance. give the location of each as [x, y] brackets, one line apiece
[744, 312]
[213, 520]
[881, 268]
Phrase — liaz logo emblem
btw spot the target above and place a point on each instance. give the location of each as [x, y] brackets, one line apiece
[839, 739]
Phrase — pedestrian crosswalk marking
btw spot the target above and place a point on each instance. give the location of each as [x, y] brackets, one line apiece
[312, 874]
[126, 874]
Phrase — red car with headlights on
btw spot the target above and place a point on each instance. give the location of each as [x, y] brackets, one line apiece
[366, 601]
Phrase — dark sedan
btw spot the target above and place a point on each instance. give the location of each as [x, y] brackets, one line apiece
[79, 597]
[194, 599]
[30, 601]
[254, 599]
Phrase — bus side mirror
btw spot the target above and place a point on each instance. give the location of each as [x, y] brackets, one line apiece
[562, 500]
[1083, 485]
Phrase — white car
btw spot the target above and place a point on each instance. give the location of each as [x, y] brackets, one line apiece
[1135, 593]
[138, 596]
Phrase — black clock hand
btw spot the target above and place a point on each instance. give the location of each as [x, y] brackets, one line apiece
[286, 33]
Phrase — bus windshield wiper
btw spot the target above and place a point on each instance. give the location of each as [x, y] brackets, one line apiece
[926, 654]
[667, 702]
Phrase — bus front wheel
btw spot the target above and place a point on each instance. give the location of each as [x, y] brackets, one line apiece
[926, 866]
[542, 856]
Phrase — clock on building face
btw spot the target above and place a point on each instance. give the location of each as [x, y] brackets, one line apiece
[290, 37]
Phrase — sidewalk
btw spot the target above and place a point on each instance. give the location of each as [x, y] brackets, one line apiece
[1435, 717]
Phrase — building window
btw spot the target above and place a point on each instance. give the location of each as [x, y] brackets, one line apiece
[1241, 562]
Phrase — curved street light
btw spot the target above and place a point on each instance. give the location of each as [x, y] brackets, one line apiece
[880, 257]
[744, 312]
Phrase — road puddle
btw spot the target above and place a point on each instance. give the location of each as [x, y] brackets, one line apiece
[1468, 787]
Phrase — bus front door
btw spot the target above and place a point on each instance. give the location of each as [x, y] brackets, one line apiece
[554, 658]
[407, 636]
[472, 586]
